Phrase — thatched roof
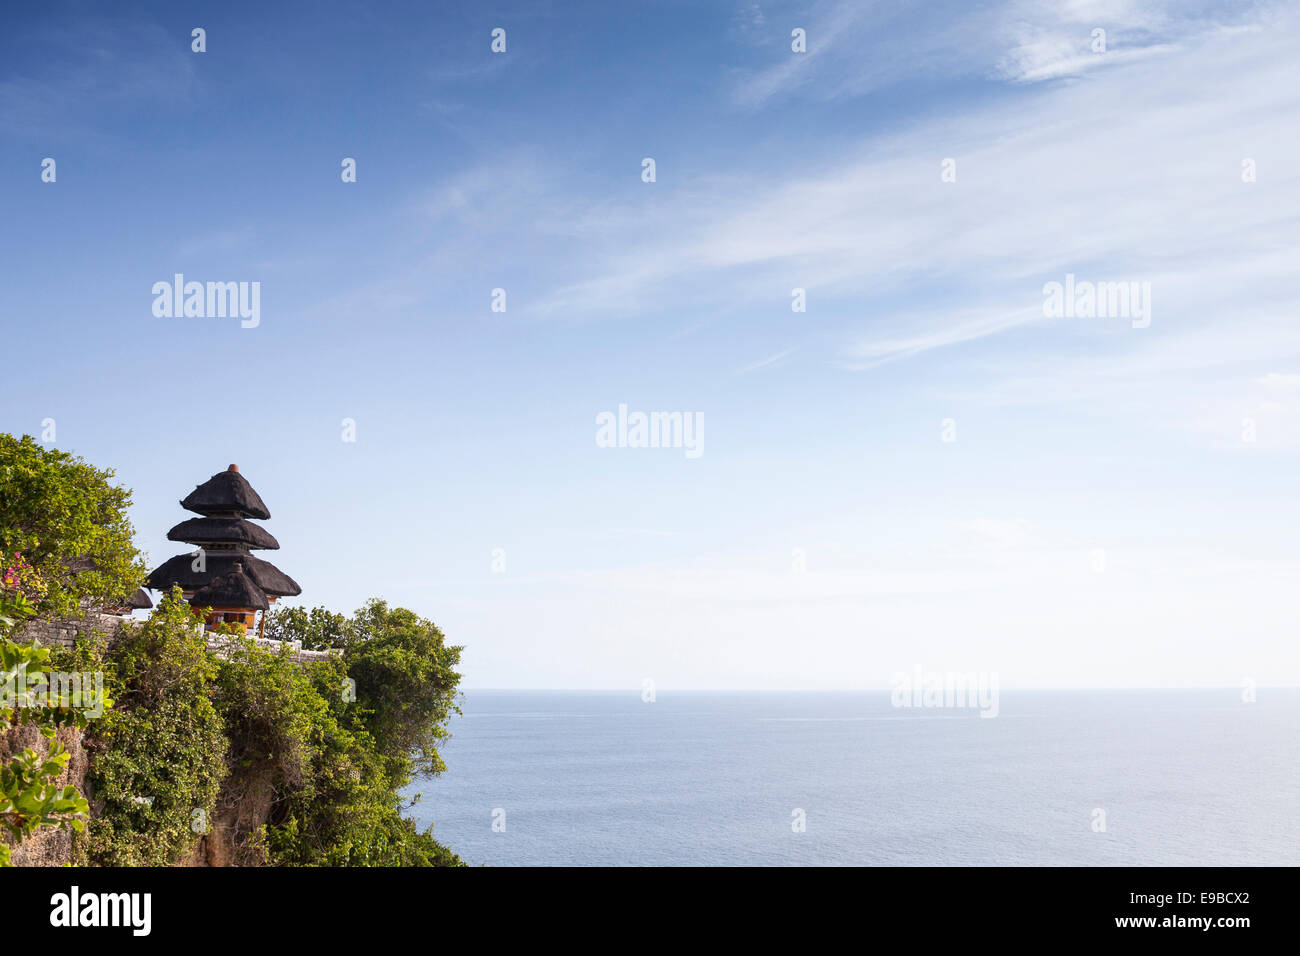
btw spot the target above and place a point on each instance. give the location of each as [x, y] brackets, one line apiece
[223, 531]
[234, 589]
[226, 492]
[139, 600]
[179, 570]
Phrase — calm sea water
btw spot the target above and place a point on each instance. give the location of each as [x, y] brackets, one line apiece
[1184, 777]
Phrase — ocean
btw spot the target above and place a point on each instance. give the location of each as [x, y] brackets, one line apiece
[1162, 777]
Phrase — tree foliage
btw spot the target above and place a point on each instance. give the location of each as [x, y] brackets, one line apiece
[389, 696]
[160, 754]
[318, 628]
[406, 682]
[196, 734]
[56, 509]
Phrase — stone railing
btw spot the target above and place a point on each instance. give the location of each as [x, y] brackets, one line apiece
[220, 644]
[64, 632]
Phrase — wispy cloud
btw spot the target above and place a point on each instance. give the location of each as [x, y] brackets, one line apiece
[944, 331]
[1134, 175]
[854, 49]
[768, 362]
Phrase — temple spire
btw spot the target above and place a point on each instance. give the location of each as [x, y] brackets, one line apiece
[222, 574]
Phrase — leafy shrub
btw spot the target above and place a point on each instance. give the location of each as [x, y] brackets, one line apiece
[160, 754]
[318, 628]
[371, 746]
[55, 508]
[406, 684]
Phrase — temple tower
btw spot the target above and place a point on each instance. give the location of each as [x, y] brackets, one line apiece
[222, 572]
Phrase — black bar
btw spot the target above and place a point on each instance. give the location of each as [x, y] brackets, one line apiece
[300, 906]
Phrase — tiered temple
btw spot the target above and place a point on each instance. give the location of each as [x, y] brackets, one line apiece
[223, 574]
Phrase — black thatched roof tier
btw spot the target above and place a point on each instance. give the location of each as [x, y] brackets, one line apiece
[179, 570]
[139, 600]
[234, 589]
[223, 531]
[226, 493]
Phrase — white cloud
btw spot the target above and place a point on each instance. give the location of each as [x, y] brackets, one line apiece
[1133, 174]
[858, 48]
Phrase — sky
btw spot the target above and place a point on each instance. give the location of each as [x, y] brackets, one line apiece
[921, 468]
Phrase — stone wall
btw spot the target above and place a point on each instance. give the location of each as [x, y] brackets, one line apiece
[65, 631]
[220, 645]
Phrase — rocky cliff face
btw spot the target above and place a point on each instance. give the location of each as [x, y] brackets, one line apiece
[233, 837]
[48, 846]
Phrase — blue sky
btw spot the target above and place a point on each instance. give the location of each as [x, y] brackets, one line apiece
[775, 170]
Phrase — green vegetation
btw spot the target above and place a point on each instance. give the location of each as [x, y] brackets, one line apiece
[65, 541]
[29, 796]
[317, 629]
[56, 510]
[196, 742]
[274, 762]
[386, 702]
[160, 755]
